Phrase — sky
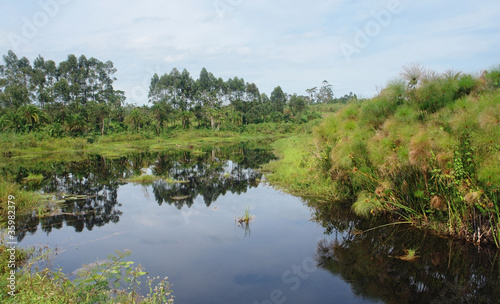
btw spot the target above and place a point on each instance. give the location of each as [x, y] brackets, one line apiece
[357, 46]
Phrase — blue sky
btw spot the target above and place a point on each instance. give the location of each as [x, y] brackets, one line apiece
[355, 45]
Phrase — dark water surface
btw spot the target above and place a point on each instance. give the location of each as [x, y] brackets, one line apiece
[289, 253]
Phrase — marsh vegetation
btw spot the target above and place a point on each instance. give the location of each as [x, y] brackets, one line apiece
[425, 150]
[422, 153]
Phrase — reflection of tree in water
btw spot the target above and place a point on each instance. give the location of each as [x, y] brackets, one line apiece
[444, 272]
[96, 178]
[210, 175]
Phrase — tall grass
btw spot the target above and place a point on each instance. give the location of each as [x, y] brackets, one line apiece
[295, 171]
[25, 201]
[425, 149]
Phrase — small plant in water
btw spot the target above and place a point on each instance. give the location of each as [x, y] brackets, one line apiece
[247, 217]
[411, 255]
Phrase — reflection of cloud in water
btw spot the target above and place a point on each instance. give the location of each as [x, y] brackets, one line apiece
[210, 175]
[81, 244]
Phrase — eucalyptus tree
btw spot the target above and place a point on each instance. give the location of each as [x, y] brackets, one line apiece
[252, 92]
[236, 88]
[16, 81]
[312, 94]
[325, 94]
[40, 82]
[278, 100]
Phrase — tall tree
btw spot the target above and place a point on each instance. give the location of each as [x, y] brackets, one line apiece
[325, 94]
[312, 94]
[278, 99]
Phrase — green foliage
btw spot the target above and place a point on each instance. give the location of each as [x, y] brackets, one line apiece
[376, 111]
[76, 98]
[425, 149]
[366, 204]
[247, 217]
[493, 77]
[295, 168]
[111, 281]
[25, 201]
[144, 179]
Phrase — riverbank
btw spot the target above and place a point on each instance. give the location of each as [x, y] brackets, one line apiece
[427, 155]
[13, 144]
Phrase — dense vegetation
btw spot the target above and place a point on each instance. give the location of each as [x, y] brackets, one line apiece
[425, 150]
[73, 106]
[76, 98]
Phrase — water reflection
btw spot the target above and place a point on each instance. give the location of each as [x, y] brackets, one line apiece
[373, 263]
[208, 174]
[445, 271]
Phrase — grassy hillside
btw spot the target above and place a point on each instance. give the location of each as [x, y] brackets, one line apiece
[426, 149]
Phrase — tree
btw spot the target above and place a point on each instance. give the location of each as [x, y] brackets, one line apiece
[325, 94]
[99, 112]
[30, 114]
[278, 100]
[297, 104]
[76, 124]
[16, 81]
[252, 92]
[10, 120]
[186, 118]
[134, 119]
[161, 112]
[312, 94]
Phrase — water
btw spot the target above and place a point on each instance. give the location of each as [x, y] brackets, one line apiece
[289, 253]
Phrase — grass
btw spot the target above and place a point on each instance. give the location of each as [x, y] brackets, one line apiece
[112, 281]
[13, 144]
[423, 167]
[293, 171]
[427, 153]
[246, 218]
[24, 201]
[144, 179]
[33, 178]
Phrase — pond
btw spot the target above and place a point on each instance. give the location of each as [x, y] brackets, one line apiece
[293, 251]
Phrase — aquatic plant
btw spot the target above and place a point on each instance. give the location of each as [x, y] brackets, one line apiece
[410, 255]
[246, 218]
[109, 281]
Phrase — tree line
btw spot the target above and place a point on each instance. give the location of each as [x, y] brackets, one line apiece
[76, 97]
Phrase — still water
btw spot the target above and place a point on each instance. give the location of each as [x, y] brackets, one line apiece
[290, 253]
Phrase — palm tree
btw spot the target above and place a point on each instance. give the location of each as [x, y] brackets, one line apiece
[10, 120]
[134, 119]
[186, 116]
[30, 114]
[76, 124]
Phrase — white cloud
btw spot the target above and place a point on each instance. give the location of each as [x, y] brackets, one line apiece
[292, 43]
